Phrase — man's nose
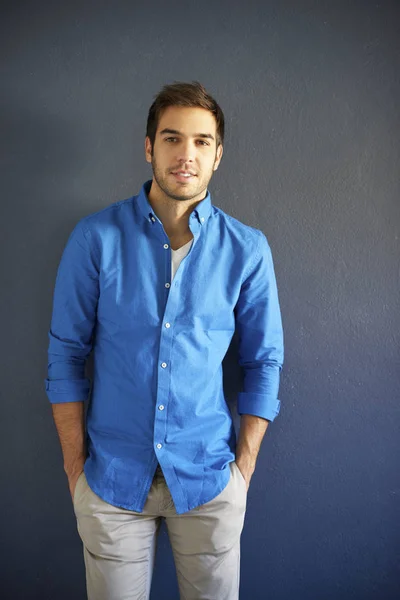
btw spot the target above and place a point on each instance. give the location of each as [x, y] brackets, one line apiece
[186, 152]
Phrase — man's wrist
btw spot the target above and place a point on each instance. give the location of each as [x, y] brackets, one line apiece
[247, 463]
[74, 468]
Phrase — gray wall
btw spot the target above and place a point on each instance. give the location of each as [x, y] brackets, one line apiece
[310, 92]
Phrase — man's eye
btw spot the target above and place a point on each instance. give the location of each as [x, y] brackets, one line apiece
[202, 142]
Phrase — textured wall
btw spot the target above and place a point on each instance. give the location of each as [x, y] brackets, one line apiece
[310, 92]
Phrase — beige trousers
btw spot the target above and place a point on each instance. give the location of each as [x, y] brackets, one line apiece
[119, 545]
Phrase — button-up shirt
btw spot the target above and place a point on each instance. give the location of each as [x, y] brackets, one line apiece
[158, 345]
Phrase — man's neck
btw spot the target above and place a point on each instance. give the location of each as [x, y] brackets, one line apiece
[173, 214]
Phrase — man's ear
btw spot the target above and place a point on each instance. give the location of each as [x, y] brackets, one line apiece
[220, 151]
[147, 148]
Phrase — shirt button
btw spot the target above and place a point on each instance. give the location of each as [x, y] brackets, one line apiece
[167, 285]
[163, 365]
[202, 219]
[166, 246]
[152, 218]
[167, 325]
[159, 446]
[161, 407]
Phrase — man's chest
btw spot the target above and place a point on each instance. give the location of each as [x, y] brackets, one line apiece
[138, 289]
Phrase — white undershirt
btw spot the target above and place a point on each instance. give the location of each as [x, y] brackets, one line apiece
[178, 255]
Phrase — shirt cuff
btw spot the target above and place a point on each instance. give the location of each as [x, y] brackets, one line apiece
[258, 405]
[67, 390]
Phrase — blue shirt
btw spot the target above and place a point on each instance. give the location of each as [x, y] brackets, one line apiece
[157, 391]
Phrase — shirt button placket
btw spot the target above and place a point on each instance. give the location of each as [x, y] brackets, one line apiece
[163, 379]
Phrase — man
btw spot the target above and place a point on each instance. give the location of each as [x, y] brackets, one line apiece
[156, 285]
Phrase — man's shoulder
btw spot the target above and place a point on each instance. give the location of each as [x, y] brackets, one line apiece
[242, 231]
[110, 214]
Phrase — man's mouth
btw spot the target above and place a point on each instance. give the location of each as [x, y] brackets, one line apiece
[183, 175]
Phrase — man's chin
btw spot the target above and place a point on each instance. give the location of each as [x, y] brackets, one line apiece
[180, 193]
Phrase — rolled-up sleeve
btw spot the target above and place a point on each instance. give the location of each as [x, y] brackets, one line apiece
[259, 327]
[73, 318]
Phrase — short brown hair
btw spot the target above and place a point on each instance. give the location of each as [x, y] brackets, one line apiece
[184, 94]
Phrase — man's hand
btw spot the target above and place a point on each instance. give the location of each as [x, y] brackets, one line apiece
[252, 430]
[72, 479]
[246, 467]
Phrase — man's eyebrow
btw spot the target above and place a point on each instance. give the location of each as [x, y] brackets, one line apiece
[201, 135]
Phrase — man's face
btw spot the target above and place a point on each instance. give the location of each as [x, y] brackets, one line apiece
[185, 142]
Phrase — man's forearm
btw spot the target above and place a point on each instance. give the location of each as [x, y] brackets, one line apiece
[251, 433]
[69, 421]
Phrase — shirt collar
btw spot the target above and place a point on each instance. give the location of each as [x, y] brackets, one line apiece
[202, 210]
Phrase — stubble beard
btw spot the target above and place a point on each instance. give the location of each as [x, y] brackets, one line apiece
[162, 182]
